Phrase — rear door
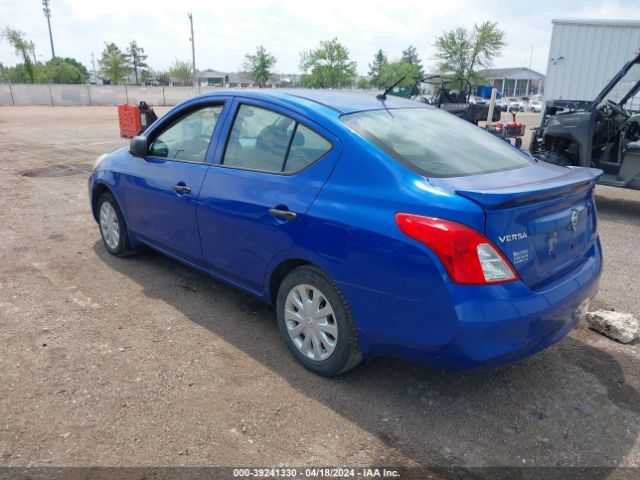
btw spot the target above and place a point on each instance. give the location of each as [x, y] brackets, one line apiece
[161, 189]
[255, 197]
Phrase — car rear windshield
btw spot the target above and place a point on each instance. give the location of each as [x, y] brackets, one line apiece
[434, 142]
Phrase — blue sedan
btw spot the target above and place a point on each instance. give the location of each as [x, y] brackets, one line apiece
[375, 226]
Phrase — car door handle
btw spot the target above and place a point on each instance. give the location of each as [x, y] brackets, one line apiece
[181, 189]
[284, 214]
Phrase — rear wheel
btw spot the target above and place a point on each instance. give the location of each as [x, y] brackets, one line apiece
[316, 323]
[113, 228]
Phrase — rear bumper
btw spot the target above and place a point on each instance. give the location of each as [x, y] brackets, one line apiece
[495, 325]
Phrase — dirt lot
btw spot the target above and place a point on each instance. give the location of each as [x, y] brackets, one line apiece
[142, 361]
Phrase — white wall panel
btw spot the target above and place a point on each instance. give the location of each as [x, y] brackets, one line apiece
[70, 94]
[6, 97]
[31, 94]
[584, 55]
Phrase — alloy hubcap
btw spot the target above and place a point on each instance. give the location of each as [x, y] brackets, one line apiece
[109, 225]
[310, 322]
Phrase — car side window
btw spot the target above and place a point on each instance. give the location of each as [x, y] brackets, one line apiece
[266, 141]
[307, 147]
[188, 139]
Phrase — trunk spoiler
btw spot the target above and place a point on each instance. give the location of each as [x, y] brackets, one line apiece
[576, 179]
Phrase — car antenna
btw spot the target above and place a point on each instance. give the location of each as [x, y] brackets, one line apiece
[383, 96]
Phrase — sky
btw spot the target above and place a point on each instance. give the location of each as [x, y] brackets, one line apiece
[225, 30]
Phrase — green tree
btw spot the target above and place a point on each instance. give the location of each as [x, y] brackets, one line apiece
[363, 84]
[328, 66]
[136, 60]
[22, 48]
[58, 70]
[113, 64]
[4, 78]
[182, 71]
[394, 71]
[162, 77]
[18, 74]
[81, 68]
[259, 65]
[410, 55]
[144, 76]
[461, 52]
[379, 61]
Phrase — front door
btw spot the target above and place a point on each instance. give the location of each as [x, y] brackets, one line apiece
[254, 199]
[161, 189]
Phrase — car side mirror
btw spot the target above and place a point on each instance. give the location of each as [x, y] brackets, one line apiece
[139, 147]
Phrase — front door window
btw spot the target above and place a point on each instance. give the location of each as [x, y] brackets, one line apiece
[188, 138]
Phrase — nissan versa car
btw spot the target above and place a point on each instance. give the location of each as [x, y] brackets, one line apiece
[375, 226]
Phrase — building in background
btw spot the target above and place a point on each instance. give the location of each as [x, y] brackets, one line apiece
[585, 54]
[286, 80]
[518, 81]
[212, 78]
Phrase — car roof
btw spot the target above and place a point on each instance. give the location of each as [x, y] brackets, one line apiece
[340, 101]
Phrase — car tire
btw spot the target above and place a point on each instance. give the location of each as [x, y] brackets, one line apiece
[113, 228]
[305, 292]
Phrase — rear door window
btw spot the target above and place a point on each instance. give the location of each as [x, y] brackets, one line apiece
[435, 143]
[306, 147]
[266, 141]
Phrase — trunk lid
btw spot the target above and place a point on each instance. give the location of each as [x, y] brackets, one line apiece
[542, 217]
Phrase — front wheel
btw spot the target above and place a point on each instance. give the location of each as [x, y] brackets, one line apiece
[316, 322]
[113, 228]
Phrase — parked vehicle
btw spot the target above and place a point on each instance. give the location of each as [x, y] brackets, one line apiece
[476, 99]
[502, 104]
[514, 104]
[460, 102]
[534, 106]
[603, 133]
[376, 226]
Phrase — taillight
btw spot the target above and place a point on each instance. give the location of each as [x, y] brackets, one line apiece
[468, 256]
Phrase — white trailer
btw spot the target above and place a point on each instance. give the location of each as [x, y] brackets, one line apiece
[585, 54]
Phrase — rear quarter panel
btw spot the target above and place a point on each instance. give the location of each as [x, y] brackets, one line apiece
[395, 286]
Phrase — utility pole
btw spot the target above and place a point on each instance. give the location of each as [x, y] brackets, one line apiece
[193, 50]
[530, 62]
[47, 13]
[93, 64]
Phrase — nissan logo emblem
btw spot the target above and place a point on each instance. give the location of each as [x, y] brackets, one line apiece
[574, 220]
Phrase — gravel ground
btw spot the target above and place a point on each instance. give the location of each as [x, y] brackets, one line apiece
[145, 362]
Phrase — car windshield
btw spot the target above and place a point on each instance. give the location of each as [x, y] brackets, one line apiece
[624, 86]
[434, 142]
